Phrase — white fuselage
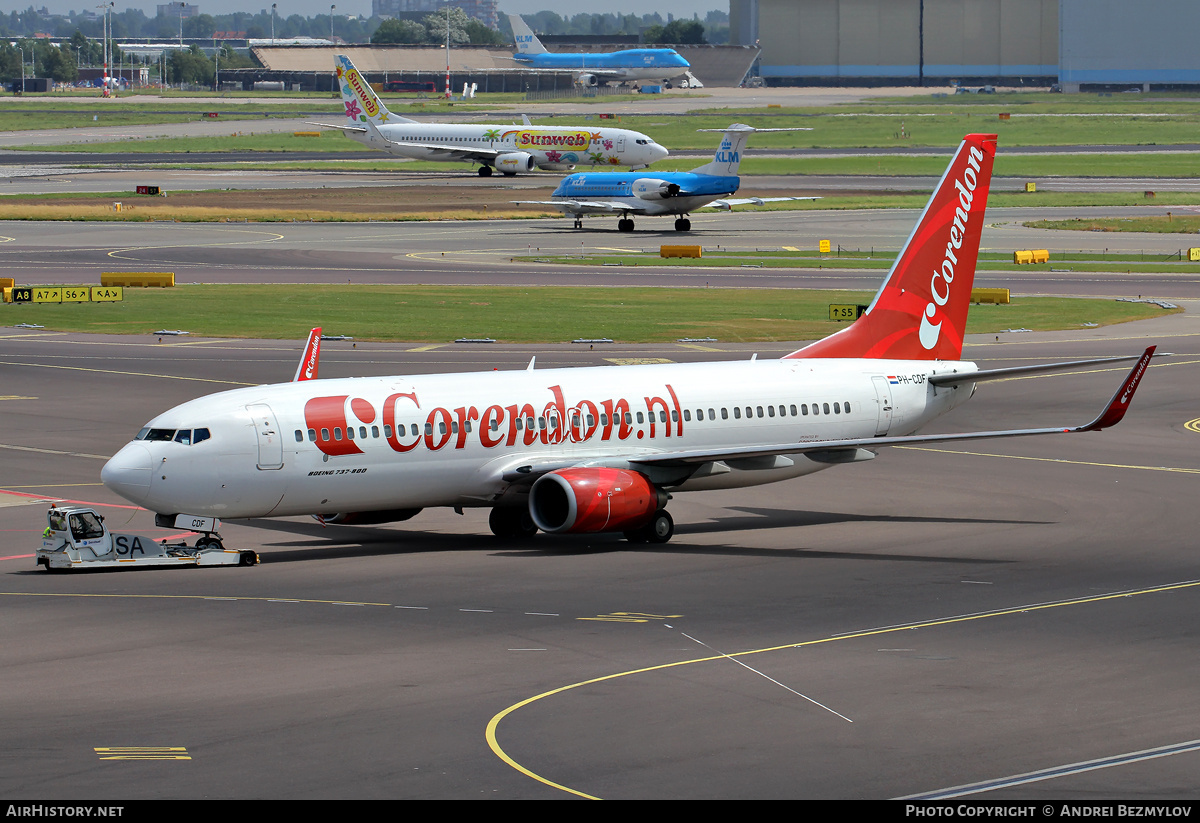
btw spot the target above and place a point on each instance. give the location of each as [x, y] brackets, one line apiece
[370, 444]
[549, 146]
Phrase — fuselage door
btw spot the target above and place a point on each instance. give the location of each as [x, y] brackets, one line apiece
[883, 393]
[270, 443]
[620, 144]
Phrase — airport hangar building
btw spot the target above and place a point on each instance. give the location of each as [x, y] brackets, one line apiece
[1082, 45]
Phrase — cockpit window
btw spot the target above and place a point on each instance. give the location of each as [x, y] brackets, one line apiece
[184, 437]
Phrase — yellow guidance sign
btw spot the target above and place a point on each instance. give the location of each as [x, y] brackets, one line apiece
[68, 294]
[107, 294]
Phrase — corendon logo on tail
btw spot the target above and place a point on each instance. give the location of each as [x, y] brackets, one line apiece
[314, 357]
[939, 284]
[338, 424]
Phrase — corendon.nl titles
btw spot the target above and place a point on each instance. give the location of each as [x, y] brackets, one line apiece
[557, 421]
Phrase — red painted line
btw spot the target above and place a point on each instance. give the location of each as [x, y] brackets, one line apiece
[17, 557]
[54, 499]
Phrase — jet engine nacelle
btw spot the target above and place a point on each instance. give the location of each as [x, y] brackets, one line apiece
[587, 500]
[587, 80]
[514, 162]
[649, 188]
[367, 518]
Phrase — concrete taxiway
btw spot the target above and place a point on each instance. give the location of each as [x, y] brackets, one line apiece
[938, 617]
[487, 252]
[1016, 617]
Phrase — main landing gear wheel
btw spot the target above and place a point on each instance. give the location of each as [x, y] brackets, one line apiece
[683, 224]
[512, 523]
[578, 222]
[485, 171]
[624, 224]
[660, 529]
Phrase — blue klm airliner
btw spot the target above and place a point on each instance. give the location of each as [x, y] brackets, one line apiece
[593, 69]
[678, 192]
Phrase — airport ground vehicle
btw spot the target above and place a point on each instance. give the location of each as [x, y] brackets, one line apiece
[77, 538]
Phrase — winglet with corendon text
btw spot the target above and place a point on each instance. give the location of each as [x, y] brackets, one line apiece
[1116, 408]
[311, 359]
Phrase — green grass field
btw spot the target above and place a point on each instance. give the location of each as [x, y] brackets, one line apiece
[1160, 224]
[435, 314]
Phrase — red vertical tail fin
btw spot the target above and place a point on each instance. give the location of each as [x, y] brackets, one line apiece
[311, 359]
[920, 312]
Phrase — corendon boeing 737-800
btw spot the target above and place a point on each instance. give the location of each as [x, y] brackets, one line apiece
[507, 149]
[597, 449]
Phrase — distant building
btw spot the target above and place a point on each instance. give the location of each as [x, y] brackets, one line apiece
[173, 10]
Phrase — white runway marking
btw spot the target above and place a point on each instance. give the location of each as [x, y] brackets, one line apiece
[767, 677]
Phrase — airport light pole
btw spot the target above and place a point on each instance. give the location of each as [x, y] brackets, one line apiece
[273, 5]
[180, 5]
[331, 10]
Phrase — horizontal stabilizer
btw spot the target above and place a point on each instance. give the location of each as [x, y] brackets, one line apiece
[952, 379]
[343, 127]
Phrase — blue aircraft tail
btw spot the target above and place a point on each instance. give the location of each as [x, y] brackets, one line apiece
[729, 154]
[527, 42]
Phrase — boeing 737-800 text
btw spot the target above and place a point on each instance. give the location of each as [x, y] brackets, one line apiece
[507, 149]
[597, 449]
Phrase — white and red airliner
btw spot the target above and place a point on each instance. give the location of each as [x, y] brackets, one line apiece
[596, 449]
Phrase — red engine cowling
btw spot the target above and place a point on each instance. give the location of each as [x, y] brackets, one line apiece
[593, 500]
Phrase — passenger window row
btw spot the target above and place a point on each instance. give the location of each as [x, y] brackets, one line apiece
[782, 410]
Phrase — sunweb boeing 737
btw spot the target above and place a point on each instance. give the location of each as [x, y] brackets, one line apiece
[507, 149]
[598, 449]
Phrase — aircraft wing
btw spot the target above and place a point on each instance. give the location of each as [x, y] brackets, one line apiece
[726, 203]
[838, 451]
[457, 152]
[586, 206]
[825, 451]
[615, 74]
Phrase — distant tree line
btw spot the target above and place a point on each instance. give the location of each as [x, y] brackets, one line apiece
[434, 28]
